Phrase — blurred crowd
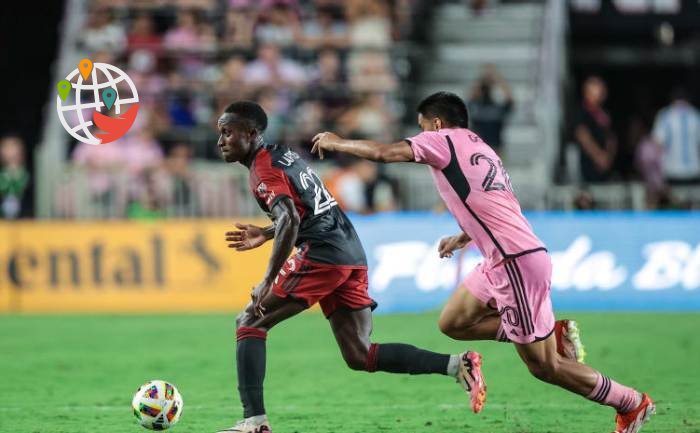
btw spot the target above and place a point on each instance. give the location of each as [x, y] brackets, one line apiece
[312, 65]
[662, 150]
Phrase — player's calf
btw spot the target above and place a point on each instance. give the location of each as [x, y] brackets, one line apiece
[545, 369]
[406, 359]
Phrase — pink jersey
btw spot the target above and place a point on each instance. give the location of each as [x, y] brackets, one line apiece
[476, 189]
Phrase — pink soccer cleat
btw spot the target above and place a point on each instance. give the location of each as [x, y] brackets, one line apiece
[472, 380]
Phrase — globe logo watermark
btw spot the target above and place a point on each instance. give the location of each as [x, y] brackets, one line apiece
[86, 92]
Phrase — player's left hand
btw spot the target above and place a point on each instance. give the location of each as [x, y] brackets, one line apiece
[259, 292]
[449, 244]
[323, 141]
[246, 238]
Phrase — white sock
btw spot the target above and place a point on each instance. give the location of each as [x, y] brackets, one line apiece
[453, 365]
[257, 419]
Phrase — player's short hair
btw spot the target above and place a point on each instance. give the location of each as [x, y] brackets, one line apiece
[249, 112]
[449, 107]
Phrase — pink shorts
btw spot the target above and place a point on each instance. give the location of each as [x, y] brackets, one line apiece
[519, 289]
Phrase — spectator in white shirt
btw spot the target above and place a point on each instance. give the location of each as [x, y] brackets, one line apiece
[677, 129]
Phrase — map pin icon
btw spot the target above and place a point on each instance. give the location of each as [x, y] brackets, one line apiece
[85, 67]
[109, 95]
[63, 87]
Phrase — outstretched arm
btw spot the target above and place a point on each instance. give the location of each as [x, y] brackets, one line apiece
[249, 236]
[395, 152]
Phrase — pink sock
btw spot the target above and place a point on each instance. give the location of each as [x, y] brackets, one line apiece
[611, 393]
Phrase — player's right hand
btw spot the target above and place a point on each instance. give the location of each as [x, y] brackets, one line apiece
[246, 237]
[449, 244]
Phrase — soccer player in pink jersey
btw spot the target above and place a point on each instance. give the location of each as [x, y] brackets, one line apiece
[507, 296]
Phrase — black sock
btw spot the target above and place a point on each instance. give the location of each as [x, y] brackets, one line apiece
[404, 358]
[250, 361]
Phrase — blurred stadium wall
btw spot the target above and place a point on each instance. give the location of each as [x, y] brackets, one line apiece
[602, 261]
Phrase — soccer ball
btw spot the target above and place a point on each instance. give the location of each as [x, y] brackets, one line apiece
[157, 405]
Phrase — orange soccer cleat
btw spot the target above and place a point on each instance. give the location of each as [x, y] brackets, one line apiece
[472, 380]
[569, 343]
[632, 422]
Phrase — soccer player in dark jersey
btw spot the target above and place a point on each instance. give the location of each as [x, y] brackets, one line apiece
[507, 296]
[329, 267]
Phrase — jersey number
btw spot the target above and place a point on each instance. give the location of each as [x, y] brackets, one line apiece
[489, 183]
[323, 200]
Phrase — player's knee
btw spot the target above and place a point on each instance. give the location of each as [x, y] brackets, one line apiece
[245, 318]
[453, 328]
[546, 370]
[447, 326]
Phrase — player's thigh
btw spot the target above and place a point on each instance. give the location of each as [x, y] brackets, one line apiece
[352, 330]
[276, 309]
[468, 303]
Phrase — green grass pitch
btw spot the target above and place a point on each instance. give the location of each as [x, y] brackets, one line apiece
[75, 374]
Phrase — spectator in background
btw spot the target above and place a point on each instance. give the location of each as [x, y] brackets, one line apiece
[148, 81]
[325, 30]
[181, 185]
[308, 118]
[370, 71]
[185, 42]
[143, 35]
[274, 106]
[239, 27]
[208, 41]
[15, 193]
[370, 24]
[201, 5]
[349, 184]
[150, 203]
[477, 7]
[328, 86]
[593, 133]
[270, 69]
[101, 34]
[230, 86]
[648, 158]
[488, 116]
[279, 26]
[141, 151]
[185, 35]
[178, 101]
[369, 117]
[102, 166]
[677, 129]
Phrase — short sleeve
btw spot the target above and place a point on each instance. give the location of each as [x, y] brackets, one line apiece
[272, 185]
[430, 148]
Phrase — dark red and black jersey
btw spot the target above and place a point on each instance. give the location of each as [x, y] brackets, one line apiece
[326, 235]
